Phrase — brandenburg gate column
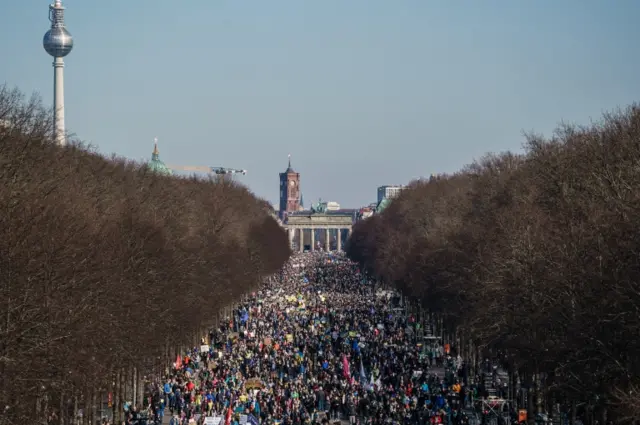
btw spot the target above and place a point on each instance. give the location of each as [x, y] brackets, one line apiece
[339, 240]
[291, 232]
[313, 239]
[327, 246]
[301, 243]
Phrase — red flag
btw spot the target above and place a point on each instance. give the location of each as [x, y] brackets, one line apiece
[345, 366]
[227, 419]
[178, 362]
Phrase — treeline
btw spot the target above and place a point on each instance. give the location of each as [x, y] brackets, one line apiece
[107, 269]
[534, 258]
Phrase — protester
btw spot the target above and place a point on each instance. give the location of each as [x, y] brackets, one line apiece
[318, 343]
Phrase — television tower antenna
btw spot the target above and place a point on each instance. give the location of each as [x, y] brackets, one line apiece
[58, 43]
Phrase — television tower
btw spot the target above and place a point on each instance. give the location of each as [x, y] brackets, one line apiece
[58, 43]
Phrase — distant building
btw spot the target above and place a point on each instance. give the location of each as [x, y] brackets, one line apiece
[388, 192]
[372, 209]
[366, 212]
[289, 192]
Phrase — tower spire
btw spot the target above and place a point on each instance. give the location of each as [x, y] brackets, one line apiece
[156, 152]
[289, 169]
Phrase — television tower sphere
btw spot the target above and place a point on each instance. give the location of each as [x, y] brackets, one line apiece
[57, 41]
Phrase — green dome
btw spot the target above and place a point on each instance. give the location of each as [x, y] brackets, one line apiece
[156, 165]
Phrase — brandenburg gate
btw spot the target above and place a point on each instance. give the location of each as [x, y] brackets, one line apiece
[334, 224]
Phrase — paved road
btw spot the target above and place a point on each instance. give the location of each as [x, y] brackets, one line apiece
[167, 418]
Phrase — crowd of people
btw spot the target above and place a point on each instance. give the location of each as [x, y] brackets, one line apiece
[317, 344]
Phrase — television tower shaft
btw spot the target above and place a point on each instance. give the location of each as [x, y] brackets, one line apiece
[58, 101]
[58, 43]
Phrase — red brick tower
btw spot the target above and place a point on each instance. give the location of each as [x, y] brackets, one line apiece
[289, 191]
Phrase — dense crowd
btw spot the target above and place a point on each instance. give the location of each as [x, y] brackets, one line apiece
[319, 344]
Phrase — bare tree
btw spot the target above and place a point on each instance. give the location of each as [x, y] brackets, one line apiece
[104, 264]
[533, 257]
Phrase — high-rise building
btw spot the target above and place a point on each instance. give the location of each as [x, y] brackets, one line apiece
[58, 43]
[289, 191]
[388, 192]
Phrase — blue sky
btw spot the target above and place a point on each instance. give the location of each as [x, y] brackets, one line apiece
[360, 92]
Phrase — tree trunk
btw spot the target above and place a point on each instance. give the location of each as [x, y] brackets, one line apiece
[74, 419]
[478, 358]
[134, 386]
[174, 355]
[102, 410]
[85, 407]
[115, 404]
[129, 385]
[539, 408]
[62, 409]
[121, 395]
[142, 382]
[123, 390]
[88, 407]
[94, 407]
[38, 401]
[513, 384]
[530, 400]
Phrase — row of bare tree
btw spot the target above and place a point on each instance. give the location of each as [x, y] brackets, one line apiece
[106, 267]
[535, 256]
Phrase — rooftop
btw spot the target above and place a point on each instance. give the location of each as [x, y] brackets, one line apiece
[382, 205]
[344, 211]
[289, 169]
